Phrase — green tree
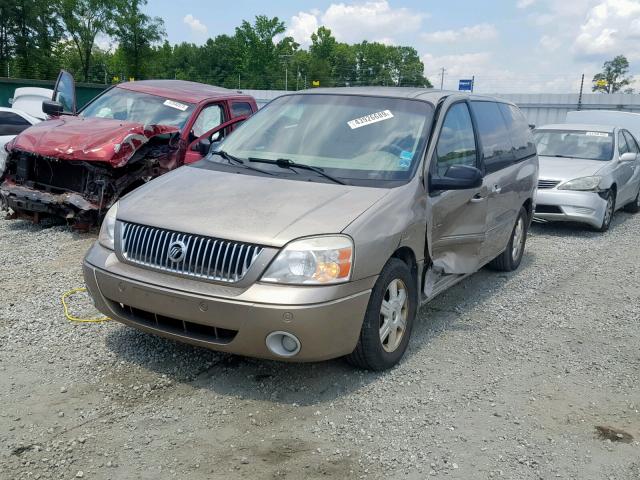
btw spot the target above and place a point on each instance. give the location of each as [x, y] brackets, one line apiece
[613, 77]
[321, 55]
[263, 57]
[84, 20]
[136, 33]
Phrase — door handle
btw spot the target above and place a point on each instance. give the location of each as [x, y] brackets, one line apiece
[477, 198]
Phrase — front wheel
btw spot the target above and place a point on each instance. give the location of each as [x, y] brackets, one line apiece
[510, 259]
[388, 321]
[608, 212]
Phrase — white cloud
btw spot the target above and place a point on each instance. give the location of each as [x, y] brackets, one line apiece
[196, 26]
[612, 27]
[525, 3]
[302, 26]
[373, 20]
[483, 31]
[491, 76]
[549, 43]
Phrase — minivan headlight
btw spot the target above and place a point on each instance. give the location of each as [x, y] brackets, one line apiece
[313, 261]
[583, 184]
[107, 230]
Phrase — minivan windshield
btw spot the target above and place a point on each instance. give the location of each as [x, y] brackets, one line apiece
[574, 144]
[360, 140]
[129, 106]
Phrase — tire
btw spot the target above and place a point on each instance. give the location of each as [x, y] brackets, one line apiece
[633, 207]
[510, 259]
[373, 352]
[609, 212]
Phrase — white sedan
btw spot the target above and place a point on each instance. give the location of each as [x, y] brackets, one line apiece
[12, 122]
[587, 172]
[26, 111]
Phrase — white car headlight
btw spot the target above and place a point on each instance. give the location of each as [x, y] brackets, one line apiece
[583, 184]
[107, 230]
[313, 261]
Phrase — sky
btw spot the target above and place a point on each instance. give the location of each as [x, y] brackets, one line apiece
[510, 46]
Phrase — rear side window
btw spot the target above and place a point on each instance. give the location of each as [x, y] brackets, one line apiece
[494, 136]
[12, 124]
[457, 144]
[519, 131]
[240, 109]
[631, 142]
[622, 144]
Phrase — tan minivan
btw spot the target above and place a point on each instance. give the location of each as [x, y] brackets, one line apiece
[320, 226]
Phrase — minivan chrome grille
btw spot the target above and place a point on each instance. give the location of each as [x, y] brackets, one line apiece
[186, 254]
[548, 183]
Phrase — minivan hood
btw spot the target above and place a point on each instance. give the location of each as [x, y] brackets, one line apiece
[253, 209]
[555, 168]
[87, 139]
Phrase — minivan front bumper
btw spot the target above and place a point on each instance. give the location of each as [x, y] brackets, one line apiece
[326, 320]
[570, 206]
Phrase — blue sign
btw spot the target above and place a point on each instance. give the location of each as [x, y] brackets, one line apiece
[465, 85]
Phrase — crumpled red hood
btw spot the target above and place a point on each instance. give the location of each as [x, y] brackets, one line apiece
[88, 139]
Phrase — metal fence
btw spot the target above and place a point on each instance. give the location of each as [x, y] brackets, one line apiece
[540, 109]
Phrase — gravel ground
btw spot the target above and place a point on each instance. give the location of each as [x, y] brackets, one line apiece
[506, 377]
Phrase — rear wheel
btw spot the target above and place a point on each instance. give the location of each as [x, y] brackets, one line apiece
[633, 207]
[510, 259]
[608, 212]
[388, 321]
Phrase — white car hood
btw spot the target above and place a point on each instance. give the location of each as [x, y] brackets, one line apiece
[554, 168]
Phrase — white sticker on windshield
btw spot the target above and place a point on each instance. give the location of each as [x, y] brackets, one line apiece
[597, 134]
[177, 105]
[369, 119]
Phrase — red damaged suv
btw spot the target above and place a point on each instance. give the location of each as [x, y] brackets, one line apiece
[78, 164]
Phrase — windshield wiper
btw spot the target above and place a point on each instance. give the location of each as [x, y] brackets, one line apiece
[238, 161]
[286, 163]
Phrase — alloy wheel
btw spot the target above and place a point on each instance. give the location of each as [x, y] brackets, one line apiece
[608, 213]
[393, 315]
[518, 239]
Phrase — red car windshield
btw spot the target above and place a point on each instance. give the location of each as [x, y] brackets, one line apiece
[120, 104]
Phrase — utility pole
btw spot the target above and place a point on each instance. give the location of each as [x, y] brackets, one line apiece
[238, 81]
[286, 70]
[473, 83]
[442, 72]
[580, 96]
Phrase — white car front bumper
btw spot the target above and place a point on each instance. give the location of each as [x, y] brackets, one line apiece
[570, 206]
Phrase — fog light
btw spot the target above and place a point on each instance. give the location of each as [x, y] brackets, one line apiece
[289, 344]
[283, 344]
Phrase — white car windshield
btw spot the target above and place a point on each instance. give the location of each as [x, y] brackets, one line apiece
[129, 106]
[574, 144]
[353, 138]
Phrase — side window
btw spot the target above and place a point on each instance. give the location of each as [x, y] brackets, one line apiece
[631, 142]
[519, 131]
[239, 109]
[495, 139]
[457, 144]
[210, 117]
[622, 144]
[12, 123]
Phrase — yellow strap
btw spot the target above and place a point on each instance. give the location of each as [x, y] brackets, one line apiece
[76, 319]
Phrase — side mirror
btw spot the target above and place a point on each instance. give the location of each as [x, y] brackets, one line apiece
[52, 108]
[628, 157]
[204, 146]
[457, 177]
